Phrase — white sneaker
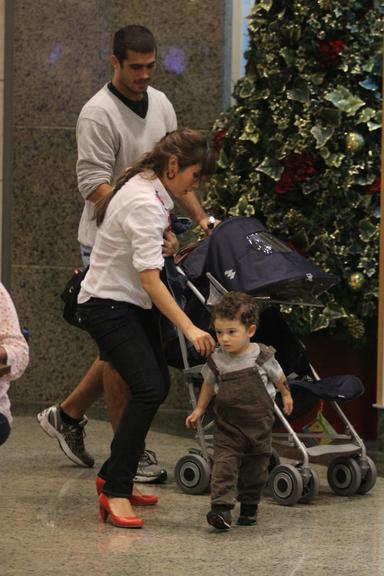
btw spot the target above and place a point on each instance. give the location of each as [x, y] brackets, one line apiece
[148, 469]
[69, 436]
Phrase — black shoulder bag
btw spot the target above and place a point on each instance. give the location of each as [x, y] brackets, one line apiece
[69, 296]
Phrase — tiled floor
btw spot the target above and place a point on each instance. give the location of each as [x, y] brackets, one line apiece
[49, 523]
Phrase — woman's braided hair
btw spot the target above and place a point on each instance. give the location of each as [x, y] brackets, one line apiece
[189, 146]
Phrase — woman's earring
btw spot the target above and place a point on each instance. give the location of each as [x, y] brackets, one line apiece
[170, 176]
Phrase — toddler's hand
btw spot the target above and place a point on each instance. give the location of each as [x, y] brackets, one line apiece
[287, 404]
[192, 419]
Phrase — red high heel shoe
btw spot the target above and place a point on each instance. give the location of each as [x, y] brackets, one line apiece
[135, 499]
[118, 521]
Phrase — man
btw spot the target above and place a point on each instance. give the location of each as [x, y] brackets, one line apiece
[119, 123]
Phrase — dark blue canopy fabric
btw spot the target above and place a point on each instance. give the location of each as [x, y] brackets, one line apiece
[243, 256]
[195, 263]
[345, 387]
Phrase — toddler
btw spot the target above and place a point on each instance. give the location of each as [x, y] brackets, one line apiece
[14, 357]
[245, 375]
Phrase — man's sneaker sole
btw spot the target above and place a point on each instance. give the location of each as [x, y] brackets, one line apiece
[53, 433]
[151, 479]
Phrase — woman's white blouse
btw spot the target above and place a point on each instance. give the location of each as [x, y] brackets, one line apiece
[128, 242]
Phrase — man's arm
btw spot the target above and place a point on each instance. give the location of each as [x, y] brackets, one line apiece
[191, 204]
[99, 193]
[96, 159]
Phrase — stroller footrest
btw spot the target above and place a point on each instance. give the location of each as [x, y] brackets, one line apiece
[324, 449]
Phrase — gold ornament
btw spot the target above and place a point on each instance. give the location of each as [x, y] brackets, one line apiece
[354, 142]
[356, 281]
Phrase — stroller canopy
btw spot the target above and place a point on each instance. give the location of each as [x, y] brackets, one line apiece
[242, 255]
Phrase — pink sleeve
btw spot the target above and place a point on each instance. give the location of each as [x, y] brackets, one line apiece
[11, 337]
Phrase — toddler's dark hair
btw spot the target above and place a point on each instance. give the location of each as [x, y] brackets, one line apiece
[237, 305]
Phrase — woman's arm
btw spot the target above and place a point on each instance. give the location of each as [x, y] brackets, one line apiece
[163, 300]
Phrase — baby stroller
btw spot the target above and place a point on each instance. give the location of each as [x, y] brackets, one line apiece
[242, 255]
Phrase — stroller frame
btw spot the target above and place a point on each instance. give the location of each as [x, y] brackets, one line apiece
[350, 469]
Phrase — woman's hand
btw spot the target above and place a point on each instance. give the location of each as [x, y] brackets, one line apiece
[163, 300]
[202, 341]
[170, 243]
[192, 419]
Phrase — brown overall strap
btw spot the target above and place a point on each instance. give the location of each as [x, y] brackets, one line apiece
[212, 365]
[266, 352]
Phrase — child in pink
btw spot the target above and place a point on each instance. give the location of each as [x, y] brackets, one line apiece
[14, 357]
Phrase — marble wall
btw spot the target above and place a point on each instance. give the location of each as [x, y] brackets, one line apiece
[61, 52]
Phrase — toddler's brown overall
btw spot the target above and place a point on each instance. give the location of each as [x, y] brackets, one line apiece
[243, 435]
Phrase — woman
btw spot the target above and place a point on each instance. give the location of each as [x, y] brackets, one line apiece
[118, 293]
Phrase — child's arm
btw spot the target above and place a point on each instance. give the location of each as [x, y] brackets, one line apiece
[14, 351]
[206, 394]
[282, 387]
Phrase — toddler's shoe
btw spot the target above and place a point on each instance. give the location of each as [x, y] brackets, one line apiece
[246, 520]
[248, 515]
[220, 519]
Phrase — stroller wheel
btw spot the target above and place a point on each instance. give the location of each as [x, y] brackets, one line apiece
[286, 484]
[192, 474]
[369, 473]
[344, 476]
[311, 488]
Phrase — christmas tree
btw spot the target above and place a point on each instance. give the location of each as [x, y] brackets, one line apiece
[300, 147]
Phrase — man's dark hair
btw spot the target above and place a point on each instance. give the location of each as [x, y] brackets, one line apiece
[133, 37]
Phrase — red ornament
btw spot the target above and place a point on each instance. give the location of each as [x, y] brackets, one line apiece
[329, 53]
[217, 138]
[286, 183]
[298, 168]
[375, 187]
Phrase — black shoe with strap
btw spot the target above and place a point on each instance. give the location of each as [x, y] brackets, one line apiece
[248, 515]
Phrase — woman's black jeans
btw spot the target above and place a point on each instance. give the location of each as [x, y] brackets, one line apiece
[129, 338]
